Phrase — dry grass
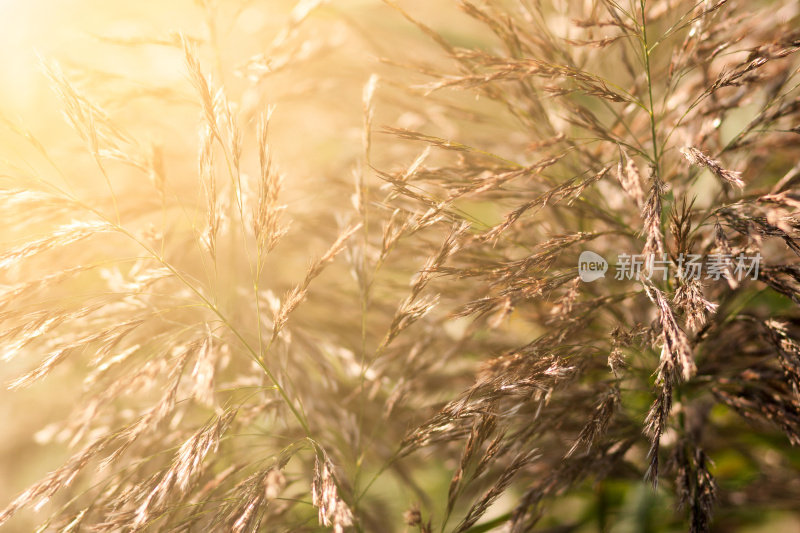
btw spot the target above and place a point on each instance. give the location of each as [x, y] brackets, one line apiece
[266, 332]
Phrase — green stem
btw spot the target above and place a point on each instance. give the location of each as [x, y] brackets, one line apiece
[651, 110]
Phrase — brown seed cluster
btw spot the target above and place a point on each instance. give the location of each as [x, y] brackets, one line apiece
[387, 330]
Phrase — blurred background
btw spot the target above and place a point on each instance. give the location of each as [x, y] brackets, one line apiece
[129, 55]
